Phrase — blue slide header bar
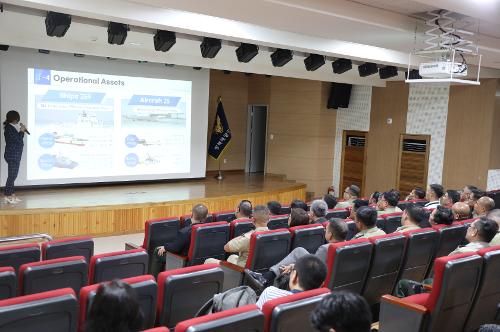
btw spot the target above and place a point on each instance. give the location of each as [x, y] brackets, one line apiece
[74, 96]
[147, 100]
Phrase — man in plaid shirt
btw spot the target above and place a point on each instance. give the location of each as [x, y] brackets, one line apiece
[13, 151]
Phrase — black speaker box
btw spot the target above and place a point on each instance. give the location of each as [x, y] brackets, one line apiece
[246, 52]
[314, 61]
[164, 40]
[367, 69]
[340, 93]
[388, 72]
[4, 47]
[414, 75]
[210, 47]
[281, 57]
[341, 65]
[117, 33]
[57, 24]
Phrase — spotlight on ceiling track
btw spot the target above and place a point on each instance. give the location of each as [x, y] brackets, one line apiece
[57, 24]
[248, 74]
[414, 75]
[79, 55]
[227, 72]
[341, 65]
[43, 51]
[388, 72]
[367, 69]
[164, 40]
[246, 52]
[314, 61]
[117, 33]
[281, 57]
[4, 47]
[197, 68]
[210, 47]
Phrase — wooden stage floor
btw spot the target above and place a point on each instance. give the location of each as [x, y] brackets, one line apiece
[121, 209]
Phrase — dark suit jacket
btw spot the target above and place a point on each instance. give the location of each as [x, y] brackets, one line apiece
[13, 143]
[181, 244]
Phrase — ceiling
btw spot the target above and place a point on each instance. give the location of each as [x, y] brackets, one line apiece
[380, 31]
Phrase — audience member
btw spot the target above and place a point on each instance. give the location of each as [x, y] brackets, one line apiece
[331, 191]
[388, 203]
[244, 210]
[483, 205]
[308, 273]
[479, 235]
[434, 193]
[331, 201]
[466, 191]
[355, 206]
[298, 217]
[416, 193]
[461, 211]
[474, 196]
[366, 223]
[489, 328]
[342, 311]
[180, 245]
[350, 194]
[495, 216]
[449, 198]
[297, 203]
[274, 208]
[441, 216]
[115, 307]
[412, 218]
[317, 211]
[374, 198]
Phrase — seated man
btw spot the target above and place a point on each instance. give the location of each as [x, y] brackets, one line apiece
[434, 193]
[461, 211]
[483, 205]
[412, 218]
[298, 217]
[449, 198]
[350, 194]
[342, 311]
[274, 208]
[355, 206]
[244, 210]
[366, 223]
[336, 231]
[330, 201]
[441, 216]
[374, 197]
[416, 193]
[474, 196]
[466, 191]
[317, 211]
[182, 242]
[240, 245]
[309, 273]
[495, 216]
[297, 203]
[388, 203]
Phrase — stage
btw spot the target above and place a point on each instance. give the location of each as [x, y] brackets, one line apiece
[122, 209]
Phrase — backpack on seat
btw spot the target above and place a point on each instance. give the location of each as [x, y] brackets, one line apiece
[232, 298]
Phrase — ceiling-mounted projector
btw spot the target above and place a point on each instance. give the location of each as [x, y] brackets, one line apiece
[442, 69]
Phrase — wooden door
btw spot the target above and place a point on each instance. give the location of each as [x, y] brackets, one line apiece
[413, 162]
[353, 160]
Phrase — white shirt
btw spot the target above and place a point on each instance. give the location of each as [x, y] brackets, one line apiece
[432, 205]
[271, 293]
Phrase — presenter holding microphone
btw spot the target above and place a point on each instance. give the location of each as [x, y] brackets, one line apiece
[14, 135]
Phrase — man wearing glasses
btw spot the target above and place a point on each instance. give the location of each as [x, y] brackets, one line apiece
[479, 234]
[351, 193]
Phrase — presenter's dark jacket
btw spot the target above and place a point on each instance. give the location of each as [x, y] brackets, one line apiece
[13, 143]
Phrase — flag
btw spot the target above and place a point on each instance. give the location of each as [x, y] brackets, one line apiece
[221, 134]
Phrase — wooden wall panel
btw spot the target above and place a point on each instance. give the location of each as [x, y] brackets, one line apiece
[495, 135]
[469, 134]
[259, 90]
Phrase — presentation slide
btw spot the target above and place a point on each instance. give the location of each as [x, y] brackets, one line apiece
[86, 125]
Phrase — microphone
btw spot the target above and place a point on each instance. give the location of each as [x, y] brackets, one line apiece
[26, 130]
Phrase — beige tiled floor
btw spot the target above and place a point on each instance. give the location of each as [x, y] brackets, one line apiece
[115, 243]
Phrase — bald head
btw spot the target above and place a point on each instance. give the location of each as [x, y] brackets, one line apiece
[461, 211]
[199, 213]
[484, 205]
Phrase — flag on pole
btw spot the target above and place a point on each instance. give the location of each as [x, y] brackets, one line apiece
[221, 134]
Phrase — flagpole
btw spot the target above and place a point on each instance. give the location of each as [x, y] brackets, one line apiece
[219, 175]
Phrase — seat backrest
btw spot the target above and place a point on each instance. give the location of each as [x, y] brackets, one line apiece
[118, 265]
[145, 288]
[268, 248]
[158, 232]
[245, 318]
[67, 272]
[348, 263]
[419, 202]
[485, 308]
[7, 282]
[182, 292]
[341, 213]
[392, 222]
[157, 329]
[226, 216]
[381, 222]
[387, 254]
[455, 281]
[239, 227]
[208, 241]
[291, 313]
[56, 310]
[186, 219]
[449, 238]
[285, 209]
[420, 248]
[309, 237]
[69, 247]
[351, 229]
[18, 255]
[278, 222]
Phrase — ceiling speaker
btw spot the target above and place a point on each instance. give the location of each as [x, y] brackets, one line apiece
[210, 47]
[246, 52]
[281, 57]
[117, 33]
[57, 24]
[367, 69]
[388, 72]
[341, 65]
[314, 61]
[164, 40]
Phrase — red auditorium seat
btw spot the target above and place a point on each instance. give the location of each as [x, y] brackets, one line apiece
[391, 222]
[239, 227]
[246, 318]
[285, 209]
[348, 263]
[450, 237]
[388, 251]
[445, 308]
[69, 247]
[291, 313]
[182, 292]
[420, 248]
[341, 213]
[118, 265]
[158, 232]
[67, 272]
[145, 288]
[278, 222]
[351, 229]
[309, 237]
[186, 219]
[207, 241]
[56, 310]
[7, 282]
[18, 255]
[158, 329]
[226, 216]
[486, 303]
